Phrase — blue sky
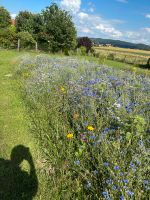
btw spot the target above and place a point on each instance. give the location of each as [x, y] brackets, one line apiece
[127, 20]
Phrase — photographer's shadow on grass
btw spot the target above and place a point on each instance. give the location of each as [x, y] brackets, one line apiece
[15, 183]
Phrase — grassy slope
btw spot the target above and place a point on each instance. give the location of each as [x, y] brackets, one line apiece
[13, 121]
[117, 64]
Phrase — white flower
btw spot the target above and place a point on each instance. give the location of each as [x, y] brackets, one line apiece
[118, 105]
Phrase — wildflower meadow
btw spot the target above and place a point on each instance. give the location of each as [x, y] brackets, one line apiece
[92, 123]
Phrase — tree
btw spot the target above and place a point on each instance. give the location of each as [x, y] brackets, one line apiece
[85, 42]
[8, 37]
[58, 30]
[26, 39]
[25, 22]
[5, 19]
[37, 25]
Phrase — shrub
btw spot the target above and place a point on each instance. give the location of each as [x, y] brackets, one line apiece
[148, 63]
[111, 56]
[82, 50]
[8, 38]
[85, 42]
[26, 40]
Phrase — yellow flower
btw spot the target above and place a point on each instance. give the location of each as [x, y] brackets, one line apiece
[90, 128]
[62, 89]
[134, 69]
[69, 135]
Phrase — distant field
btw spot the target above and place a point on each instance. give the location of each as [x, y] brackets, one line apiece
[131, 56]
[123, 50]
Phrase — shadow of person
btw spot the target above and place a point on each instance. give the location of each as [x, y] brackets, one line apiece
[15, 183]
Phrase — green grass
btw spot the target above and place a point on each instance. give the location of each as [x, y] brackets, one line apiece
[118, 65]
[14, 121]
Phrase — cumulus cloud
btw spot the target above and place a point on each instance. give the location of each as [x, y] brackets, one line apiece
[95, 24]
[71, 5]
[147, 29]
[147, 16]
[92, 25]
[140, 36]
[105, 28]
[83, 15]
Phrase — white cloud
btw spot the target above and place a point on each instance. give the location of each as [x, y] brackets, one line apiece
[96, 25]
[147, 29]
[122, 1]
[13, 15]
[71, 5]
[140, 36]
[86, 30]
[92, 25]
[109, 30]
[147, 16]
[83, 15]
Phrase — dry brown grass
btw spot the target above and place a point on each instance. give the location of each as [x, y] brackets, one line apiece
[131, 56]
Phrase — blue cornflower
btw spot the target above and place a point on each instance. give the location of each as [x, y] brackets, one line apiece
[105, 194]
[106, 129]
[122, 197]
[114, 187]
[125, 181]
[129, 193]
[116, 168]
[91, 82]
[145, 182]
[121, 174]
[92, 137]
[118, 83]
[77, 162]
[106, 164]
[132, 165]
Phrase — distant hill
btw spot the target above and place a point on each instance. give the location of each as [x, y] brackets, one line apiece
[122, 44]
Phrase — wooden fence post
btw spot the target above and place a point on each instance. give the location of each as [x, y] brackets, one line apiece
[36, 46]
[18, 45]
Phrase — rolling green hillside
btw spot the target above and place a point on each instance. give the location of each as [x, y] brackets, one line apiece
[119, 43]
